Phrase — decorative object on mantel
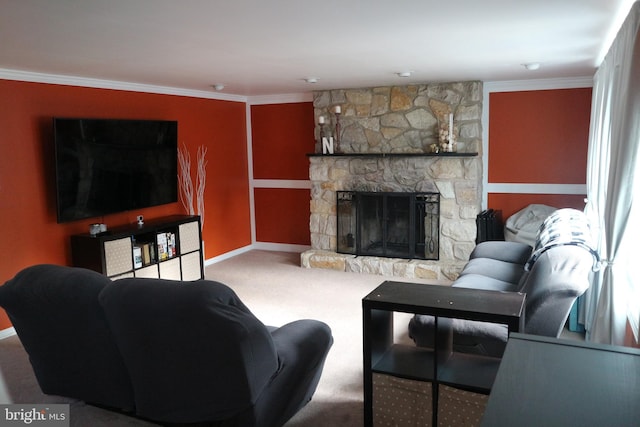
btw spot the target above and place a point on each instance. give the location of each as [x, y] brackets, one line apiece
[337, 111]
[186, 184]
[327, 144]
[321, 123]
[447, 135]
[446, 130]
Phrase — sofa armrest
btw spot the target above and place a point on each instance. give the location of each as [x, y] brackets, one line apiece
[302, 348]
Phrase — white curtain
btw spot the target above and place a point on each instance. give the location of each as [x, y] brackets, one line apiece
[614, 143]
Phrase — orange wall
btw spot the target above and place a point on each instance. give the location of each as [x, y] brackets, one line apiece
[538, 137]
[283, 216]
[282, 135]
[27, 202]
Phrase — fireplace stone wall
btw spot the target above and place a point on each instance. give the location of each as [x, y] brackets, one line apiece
[399, 120]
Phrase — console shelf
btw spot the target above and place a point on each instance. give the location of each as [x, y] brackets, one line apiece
[166, 248]
[408, 362]
[439, 365]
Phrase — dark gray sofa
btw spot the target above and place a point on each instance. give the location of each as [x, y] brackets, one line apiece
[172, 352]
[553, 275]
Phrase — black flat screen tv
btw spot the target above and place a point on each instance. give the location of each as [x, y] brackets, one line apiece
[104, 166]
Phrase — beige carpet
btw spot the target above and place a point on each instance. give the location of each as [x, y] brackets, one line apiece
[277, 290]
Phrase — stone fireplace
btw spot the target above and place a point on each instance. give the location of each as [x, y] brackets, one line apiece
[386, 140]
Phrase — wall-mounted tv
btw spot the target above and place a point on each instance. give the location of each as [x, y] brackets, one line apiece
[105, 166]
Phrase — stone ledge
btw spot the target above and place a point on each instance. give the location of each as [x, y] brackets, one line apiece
[314, 258]
[395, 267]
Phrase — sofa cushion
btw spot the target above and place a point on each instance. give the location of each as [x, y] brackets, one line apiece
[469, 336]
[478, 281]
[515, 252]
[56, 314]
[495, 269]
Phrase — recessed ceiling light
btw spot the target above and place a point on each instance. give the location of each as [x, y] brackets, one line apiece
[531, 66]
[311, 80]
[404, 74]
[218, 86]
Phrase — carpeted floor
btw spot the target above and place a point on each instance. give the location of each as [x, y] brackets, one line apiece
[277, 290]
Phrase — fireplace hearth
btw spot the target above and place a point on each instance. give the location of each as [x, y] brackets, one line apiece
[389, 224]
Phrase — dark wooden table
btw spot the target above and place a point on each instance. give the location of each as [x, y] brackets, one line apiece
[551, 382]
[440, 364]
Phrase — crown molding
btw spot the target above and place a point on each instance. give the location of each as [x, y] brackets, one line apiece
[287, 98]
[28, 76]
[491, 86]
[539, 84]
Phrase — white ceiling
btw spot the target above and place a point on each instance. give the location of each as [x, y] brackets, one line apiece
[269, 47]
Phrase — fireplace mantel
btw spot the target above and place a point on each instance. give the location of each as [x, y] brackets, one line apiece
[383, 155]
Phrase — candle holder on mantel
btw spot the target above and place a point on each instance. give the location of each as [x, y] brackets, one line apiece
[337, 111]
[447, 136]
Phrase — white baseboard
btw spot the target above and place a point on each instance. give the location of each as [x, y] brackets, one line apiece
[262, 246]
[6, 333]
[280, 247]
[227, 255]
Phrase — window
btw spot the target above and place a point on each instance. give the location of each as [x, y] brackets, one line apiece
[629, 259]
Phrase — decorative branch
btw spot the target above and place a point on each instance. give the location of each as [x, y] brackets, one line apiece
[184, 179]
[186, 184]
[202, 180]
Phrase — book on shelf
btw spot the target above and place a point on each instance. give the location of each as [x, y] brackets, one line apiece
[171, 239]
[137, 256]
[161, 239]
[166, 242]
[153, 254]
[146, 251]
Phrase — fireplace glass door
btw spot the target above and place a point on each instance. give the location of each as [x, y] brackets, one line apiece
[396, 225]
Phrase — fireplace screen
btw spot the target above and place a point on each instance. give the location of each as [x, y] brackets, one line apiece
[396, 225]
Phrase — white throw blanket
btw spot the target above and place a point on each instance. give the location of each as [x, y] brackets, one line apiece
[564, 227]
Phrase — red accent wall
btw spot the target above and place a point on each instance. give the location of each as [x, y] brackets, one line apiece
[538, 137]
[27, 199]
[282, 216]
[282, 135]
